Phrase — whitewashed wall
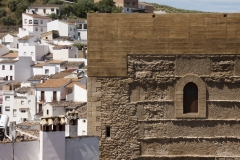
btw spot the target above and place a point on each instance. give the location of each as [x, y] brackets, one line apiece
[82, 148]
[22, 151]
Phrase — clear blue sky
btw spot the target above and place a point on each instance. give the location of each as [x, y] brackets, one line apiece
[202, 5]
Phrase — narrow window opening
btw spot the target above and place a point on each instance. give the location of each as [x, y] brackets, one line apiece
[108, 131]
[190, 98]
[225, 15]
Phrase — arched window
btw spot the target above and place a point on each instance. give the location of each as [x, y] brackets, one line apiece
[190, 98]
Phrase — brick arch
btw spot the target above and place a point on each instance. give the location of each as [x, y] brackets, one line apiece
[201, 97]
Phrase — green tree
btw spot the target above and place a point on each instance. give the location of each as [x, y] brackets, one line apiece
[79, 10]
[55, 2]
[66, 9]
[53, 16]
[8, 21]
[12, 5]
[87, 4]
[3, 12]
[106, 6]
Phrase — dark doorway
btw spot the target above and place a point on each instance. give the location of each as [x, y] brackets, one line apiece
[42, 96]
[54, 96]
[39, 107]
[190, 98]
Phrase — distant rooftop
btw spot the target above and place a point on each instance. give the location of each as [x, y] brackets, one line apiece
[38, 77]
[53, 83]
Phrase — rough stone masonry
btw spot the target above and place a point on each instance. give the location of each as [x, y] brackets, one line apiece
[138, 67]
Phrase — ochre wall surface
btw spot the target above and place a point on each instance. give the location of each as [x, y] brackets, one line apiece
[111, 37]
[138, 67]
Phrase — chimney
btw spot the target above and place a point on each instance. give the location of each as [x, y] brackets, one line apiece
[72, 124]
[12, 130]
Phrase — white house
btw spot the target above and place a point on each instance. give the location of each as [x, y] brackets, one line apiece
[7, 105]
[10, 41]
[78, 92]
[51, 90]
[43, 10]
[33, 24]
[29, 46]
[82, 31]
[25, 103]
[16, 70]
[47, 68]
[67, 29]
[64, 52]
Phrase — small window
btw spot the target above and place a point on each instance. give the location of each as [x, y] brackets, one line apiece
[14, 113]
[41, 29]
[7, 108]
[25, 21]
[22, 102]
[85, 26]
[190, 98]
[108, 131]
[7, 98]
[46, 71]
[30, 21]
[6, 78]
[70, 29]
[35, 21]
[23, 111]
[11, 67]
[31, 53]
[46, 38]
[127, 9]
[36, 29]
[47, 112]
[3, 67]
[29, 101]
[11, 78]
[84, 121]
[74, 29]
[24, 53]
[52, 9]
[41, 21]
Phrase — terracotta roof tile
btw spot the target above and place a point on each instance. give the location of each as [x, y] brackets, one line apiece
[26, 37]
[70, 85]
[78, 64]
[56, 62]
[53, 83]
[10, 55]
[60, 75]
[23, 90]
[38, 77]
[8, 61]
[39, 65]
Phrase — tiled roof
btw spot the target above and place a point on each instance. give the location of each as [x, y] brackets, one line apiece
[29, 123]
[70, 85]
[62, 47]
[53, 83]
[64, 38]
[73, 64]
[23, 90]
[38, 77]
[69, 70]
[36, 16]
[46, 6]
[39, 65]
[10, 55]
[60, 75]
[8, 61]
[67, 104]
[56, 62]
[26, 37]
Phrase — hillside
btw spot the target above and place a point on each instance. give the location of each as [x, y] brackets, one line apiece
[169, 9]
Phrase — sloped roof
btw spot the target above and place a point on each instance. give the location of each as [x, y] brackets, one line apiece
[39, 65]
[60, 75]
[53, 83]
[36, 16]
[8, 61]
[23, 90]
[73, 64]
[26, 37]
[70, 85]
[10, 55]
[67, 104]
[38, 77]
